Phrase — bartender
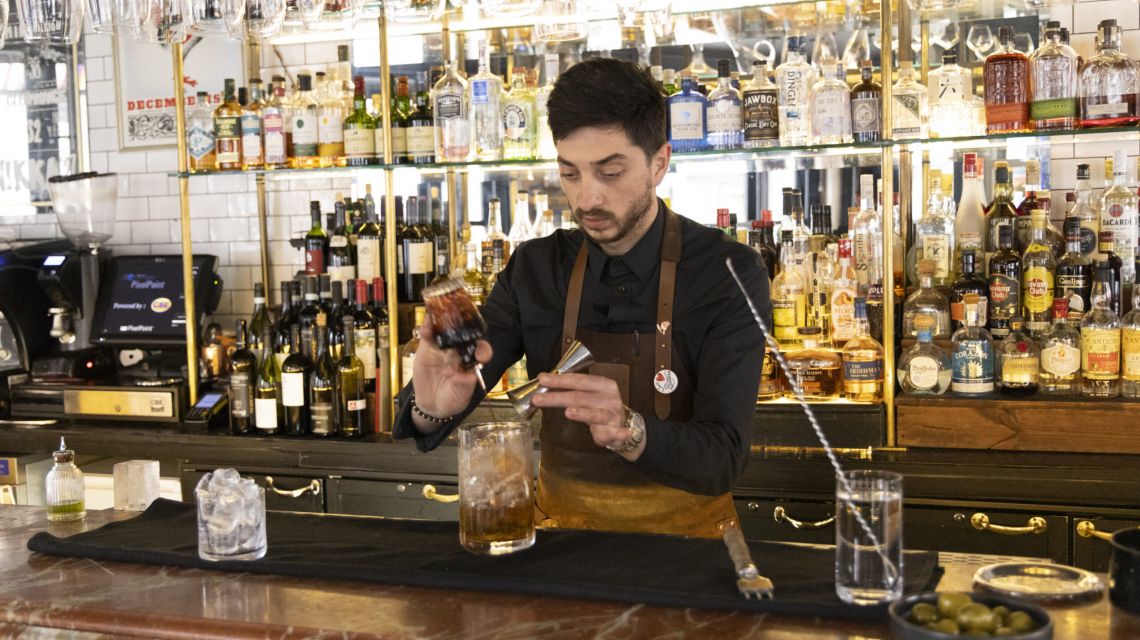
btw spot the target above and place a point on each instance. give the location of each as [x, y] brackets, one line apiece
[653, 438]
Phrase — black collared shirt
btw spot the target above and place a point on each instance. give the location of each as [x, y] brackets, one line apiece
[713, 331]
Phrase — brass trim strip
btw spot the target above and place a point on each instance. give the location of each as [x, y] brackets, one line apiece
[184, 215]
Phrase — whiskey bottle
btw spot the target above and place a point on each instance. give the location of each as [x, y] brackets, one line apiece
[200, 135]
[1108, 82]
[227, 131]
[1018, 362]
[760, 108]
[866, 106]
[771, 386]
[243, 381]
[1023, 227]
[924, 369]
[1130, 349]
[1061, 355]
[1037, 268]
[969, 281]
[1053, 82]
[973, 359]
[1074, 275]
[275, 140]
[862, 361]
[1100, 339]
[252, 147]
[817, 372]
[1006, 76]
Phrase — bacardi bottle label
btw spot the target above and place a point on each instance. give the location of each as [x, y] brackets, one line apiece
[865, 115]
[1120, 220]
[1061, 360]
[907, 115]
[293, 389]
[686, 121]
[1130, 346]
[1019, 371]
[761, 117]
[923, 372]
[1100, 353]
[265, 413]
[973, 367]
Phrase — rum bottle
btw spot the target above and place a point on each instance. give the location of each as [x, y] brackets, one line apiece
[1037, 268]
[1100, 339]
[1005, 284]
[1074, 275]
[1061, 355]
[1018, 362]
[1130, 349]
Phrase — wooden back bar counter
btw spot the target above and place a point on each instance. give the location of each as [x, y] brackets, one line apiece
[45, 596]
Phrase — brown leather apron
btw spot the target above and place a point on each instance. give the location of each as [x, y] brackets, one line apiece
[584, 486]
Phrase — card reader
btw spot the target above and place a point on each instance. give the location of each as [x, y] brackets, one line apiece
[207, 414]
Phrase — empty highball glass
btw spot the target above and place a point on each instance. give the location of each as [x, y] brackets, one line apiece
[53, 21]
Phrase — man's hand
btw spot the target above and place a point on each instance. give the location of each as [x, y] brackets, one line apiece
[442, 388]
[593, 400]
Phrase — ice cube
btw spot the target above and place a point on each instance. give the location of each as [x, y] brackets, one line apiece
[223, 478]
[136, 484]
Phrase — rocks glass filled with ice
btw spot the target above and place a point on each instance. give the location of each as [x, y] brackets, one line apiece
[231, 517]
[496, 487]
[455, 320]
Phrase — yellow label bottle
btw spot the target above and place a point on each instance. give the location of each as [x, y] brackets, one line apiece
[1100, 353]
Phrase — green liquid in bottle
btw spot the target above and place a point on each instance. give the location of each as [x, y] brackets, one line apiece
[67, 512]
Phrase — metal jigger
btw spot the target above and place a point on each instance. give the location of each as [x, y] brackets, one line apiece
[576, 358]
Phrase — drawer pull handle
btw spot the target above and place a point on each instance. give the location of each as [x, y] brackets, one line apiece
[780, 515]
[981, 522]
[314, 488]
[1086, 529]
[431, 494]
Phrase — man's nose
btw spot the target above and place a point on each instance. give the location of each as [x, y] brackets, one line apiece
[592, 195]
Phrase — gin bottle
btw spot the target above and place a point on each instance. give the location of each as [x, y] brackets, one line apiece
[452, 124]
[973, 358]
[950, 91]
[485, 95]
[1053, 82]
[1108, 82]
[866, 106]
[1006, 75]
[686, 117]
[518, 119]
[1100, 339]
[924, 369]
[760, 107]
[1061, 355]
[723, 113]
[909, 100]
[795, 77]
[1118, 216]
[200, 134]
[1001, 212]
[831, 106]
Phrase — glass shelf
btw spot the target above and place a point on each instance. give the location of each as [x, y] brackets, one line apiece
[1058, 136]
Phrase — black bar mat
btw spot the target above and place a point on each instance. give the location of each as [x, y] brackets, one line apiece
[658, 570]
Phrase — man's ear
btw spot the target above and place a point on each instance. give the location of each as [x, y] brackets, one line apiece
[659, 163]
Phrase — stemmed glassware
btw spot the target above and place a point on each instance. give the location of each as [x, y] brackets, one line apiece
[54, 21]
[980, 40]
[104, 15]
[411, 11]
[156, 21]
[1023, 43]
[253, 19]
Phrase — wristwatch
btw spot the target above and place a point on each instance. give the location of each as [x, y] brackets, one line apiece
[636, 425]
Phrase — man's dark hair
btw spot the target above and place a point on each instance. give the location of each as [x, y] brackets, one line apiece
[603, 93]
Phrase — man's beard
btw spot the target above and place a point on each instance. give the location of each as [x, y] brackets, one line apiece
[637, 214]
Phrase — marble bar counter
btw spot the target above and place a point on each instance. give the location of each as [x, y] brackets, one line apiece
[47, 596]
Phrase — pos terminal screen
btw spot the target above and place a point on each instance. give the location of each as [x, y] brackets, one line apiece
[141, 300]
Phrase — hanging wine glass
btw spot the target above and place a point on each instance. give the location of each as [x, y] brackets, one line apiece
[104, 15]
[764, 50]
[206, 17]
[1023, 42]
[411, 11]
[157, 21]
[53, 21]
[980, 39]
[858, 48]
[338, 15]
[561, 21]
[824, 48]
[3, 20]
[509, 8]
[254, 20]
[947, 34]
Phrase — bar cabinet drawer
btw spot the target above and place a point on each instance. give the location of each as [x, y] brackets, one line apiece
[787, 520]
[1091, 547]
[982, 530]
[392, 499]
[283, 492]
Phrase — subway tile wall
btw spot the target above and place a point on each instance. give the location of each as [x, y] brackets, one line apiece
[224, 209]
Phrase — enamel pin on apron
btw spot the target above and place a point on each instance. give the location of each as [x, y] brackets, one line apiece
[665, 381]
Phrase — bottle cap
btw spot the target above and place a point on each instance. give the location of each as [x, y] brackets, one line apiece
[970, 299]
[809, 331]
[1083, 172]
[1060, 307]
[950, 56]
[722, 68]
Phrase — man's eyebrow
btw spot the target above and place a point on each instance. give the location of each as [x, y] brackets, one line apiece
[606, 160]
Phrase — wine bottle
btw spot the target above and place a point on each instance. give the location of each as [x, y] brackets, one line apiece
[352, 398]
[316, 242]
[294, 388]
[307, 316]
[322, 384]
[281, 336]
[335, 328]
[258, 323]
[340, 252]
[266, 404]
[243, 378]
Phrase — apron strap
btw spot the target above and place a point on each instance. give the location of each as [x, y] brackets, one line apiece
[670, 256]
[574, 298]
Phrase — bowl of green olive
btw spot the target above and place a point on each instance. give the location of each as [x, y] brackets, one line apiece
[946, 614]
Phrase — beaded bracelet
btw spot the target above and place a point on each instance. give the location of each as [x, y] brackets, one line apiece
[420, 412]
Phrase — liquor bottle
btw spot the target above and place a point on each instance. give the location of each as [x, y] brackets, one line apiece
[1130, 349]
[970, 219]
[282, 341]
[1018, 361]
[862, 361]
[818, 269]
[544, 225]
[243, 380]
[275, 143]
[1001, 213]
[258, 324]
[1037, 269]
[867, 233]
[950, 90]
[340, 267]
[518, 119]
[417, 252]
[817, 372]
[1114, 265]
[495, 243]
[789, 310]
[1085, 211]
[473, 280]
[544, 147]
[760, 109]
[924, 368]
[295, 388]
[844, 290]
[401, 116]
[771, 387]
[1100, 339]
[352, 398]
[1005, 284]
[333, 322]
[408, 350]
[268, 416]
[322, 394]
[368, 255]
[1053, 82]
[1108, 82]
[452, 125]
[926, 301]
[795, 77]
[359, 130]
[484, 94]
[252, 149]
[1023, 228]
[934, 238]
[910, 111]
[1118, 217]
[1074, 275]
[304, 121]
[724, 113]
[520, 221]
[973, 359]
[866, 106]
[1061, 355]
[316, 241]
[200, 134]
[669, 84]
[421, 128]
[685, 118]
[441, 236]
[969, 281]
[831, 105]
[227, 131]
[1006, 76]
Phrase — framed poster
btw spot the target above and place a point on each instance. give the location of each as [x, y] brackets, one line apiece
[145, 93]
